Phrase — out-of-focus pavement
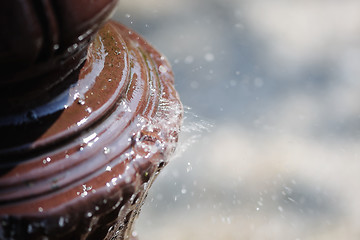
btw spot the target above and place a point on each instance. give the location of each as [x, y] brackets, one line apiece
[271, 146]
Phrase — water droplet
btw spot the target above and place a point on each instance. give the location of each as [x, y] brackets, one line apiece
[209, 57]
[40, 209]
[46, 160]
[113, 181]
[72, 48]
[189, 59]
[183, 190]
[30, 228]
[162, 69]
[127, 15]
[117, 204]
[89, 214]
[56, 47]
[88, 109]
[61, 221]
[106, 151]
[81, 102]
[189, 167]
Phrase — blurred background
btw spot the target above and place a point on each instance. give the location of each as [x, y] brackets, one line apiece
[270, 147]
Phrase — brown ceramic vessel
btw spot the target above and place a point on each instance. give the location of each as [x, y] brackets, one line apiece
[80, 150]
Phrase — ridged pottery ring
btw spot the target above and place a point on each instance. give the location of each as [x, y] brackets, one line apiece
[85, 133]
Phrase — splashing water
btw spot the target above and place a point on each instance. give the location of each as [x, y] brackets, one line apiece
[192, 130]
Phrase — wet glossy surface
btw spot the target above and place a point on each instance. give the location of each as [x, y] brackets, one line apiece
[118, 127]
